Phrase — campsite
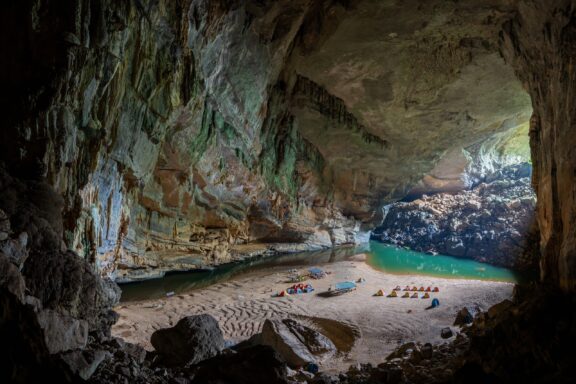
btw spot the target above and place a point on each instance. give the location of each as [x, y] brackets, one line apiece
[366, 327]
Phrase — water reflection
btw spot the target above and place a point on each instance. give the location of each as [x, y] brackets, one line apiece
[187, 281]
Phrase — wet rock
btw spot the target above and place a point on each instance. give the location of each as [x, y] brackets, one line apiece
[192, 339]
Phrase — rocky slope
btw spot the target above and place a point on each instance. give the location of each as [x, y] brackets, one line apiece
[177, 132]
[489, 223]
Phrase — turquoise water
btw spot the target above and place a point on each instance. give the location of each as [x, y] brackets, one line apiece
[391, 259]
[380, 256]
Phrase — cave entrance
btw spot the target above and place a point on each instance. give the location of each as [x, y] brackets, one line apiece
[476, 204]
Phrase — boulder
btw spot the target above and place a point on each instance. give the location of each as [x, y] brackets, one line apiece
[83, 363]
[191, 340]
[446, 333]
[61, 332]
[16, 249]
[256, 364]
[296, 343]
[464, 316]
[426, 351]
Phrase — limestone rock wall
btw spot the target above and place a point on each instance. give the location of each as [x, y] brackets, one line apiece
[490, 223]
[163, 125]
[539, 42]
[192, 132]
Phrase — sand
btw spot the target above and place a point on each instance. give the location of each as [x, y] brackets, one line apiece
[364, 327]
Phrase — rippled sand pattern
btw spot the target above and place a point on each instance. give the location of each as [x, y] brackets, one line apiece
[364, 327]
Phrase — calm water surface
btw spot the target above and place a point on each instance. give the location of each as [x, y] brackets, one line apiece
[380, 256]
[396, 260]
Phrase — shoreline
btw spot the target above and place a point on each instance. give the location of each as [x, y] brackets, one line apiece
[377, 325]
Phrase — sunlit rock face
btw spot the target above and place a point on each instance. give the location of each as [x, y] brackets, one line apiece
[190, 133]
[427, 80]
[539, 42]
[490, 223]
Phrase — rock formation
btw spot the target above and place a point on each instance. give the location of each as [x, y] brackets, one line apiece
[539, 44]
[153, 135]
[177, 132]
[191, 340]
[490, 223]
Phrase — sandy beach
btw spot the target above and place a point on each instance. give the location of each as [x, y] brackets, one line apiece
[364, 327]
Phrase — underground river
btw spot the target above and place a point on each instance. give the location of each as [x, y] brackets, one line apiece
[383, 257]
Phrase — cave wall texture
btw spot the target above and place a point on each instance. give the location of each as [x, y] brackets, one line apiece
[186, 133]
[540, 43]
[152, 135]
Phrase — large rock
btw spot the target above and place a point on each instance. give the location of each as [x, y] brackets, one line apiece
[62, 333]
[192, 339]
[463, 317]
[219, 123]
[296, 343]
[257, 364]
[83, 363]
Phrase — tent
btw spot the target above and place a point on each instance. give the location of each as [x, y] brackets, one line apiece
[397, 288]
[426, 296]
[317, 273]
[428, 289]
[379, 293]
[405, 295]
[435, 289]
[299, 288]
[414, 289]
[393, 294]
[406, 288]
[414, 295]
[435, 303]
[421, 289]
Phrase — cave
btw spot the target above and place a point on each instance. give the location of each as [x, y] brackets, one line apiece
[169, 167]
